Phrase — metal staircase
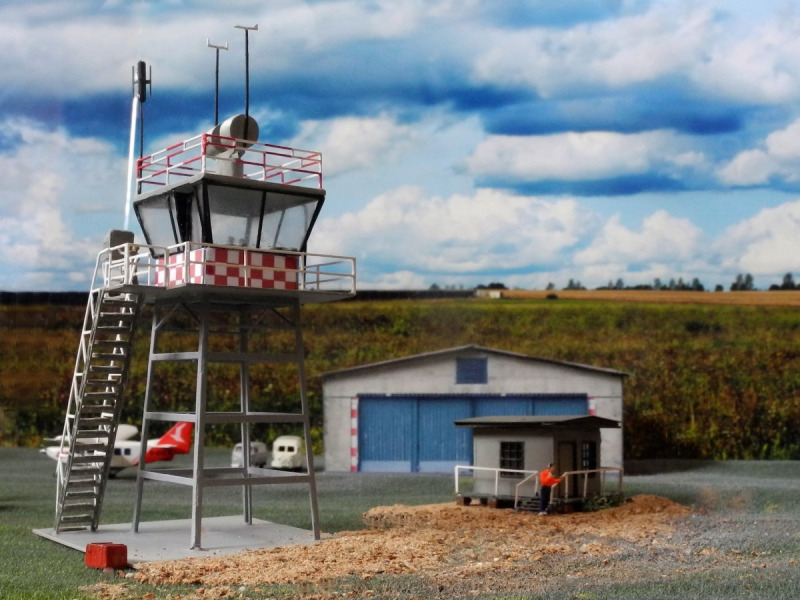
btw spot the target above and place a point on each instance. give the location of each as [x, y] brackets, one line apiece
[95, 405]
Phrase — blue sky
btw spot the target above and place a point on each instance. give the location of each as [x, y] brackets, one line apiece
[464, 141]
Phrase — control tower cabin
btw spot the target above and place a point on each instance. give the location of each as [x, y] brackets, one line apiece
[226, 268]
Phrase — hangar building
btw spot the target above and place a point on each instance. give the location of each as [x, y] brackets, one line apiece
[398, 415]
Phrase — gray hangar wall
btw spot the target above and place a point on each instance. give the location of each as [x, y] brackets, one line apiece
[397, 416]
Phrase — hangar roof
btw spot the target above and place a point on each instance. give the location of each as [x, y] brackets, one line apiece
[539, 422]
[467, 350]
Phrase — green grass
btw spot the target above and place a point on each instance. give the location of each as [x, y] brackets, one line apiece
[746, 509]
[34, 568]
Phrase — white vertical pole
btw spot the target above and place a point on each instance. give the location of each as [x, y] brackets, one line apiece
[131, 160]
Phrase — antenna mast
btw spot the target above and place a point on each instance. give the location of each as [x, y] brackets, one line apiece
[217, 47]
[247, 31]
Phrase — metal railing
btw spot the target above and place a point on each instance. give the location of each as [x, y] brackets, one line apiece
[460, 470]
[207, 153]
[178, 265]
[586, 474]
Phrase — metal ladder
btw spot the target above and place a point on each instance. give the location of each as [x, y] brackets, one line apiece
[95, 406]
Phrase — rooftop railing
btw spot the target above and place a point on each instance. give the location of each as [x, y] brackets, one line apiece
[207, 153]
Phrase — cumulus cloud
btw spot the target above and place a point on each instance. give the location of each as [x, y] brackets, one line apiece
[765, 244]
[51, 184]
[778, 156]
[351, 143]
[617, 52]
[662, 238]
[581, 156]
[488, 232]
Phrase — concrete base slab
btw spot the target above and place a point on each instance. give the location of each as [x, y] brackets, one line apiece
[170, 540]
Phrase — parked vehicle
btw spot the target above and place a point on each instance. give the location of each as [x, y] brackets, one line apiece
[258, 455]
[288, 453]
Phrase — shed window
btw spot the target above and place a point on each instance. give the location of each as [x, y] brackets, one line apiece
[512, 456]
[588, 456]
[471, 370]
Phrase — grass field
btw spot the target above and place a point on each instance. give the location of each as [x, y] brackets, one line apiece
[742, 509]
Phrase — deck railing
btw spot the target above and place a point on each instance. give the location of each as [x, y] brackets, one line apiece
[461, 470]
[195, 263]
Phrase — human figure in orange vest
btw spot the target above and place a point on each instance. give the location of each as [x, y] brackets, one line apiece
[546, 480]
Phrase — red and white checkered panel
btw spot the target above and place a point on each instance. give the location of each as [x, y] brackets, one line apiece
[172, 275]
[274, 271]
[221, 266]
[217, 266]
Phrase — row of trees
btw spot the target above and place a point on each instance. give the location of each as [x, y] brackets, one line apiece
[742, 283]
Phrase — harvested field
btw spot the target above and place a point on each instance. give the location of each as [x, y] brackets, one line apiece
[752, 298]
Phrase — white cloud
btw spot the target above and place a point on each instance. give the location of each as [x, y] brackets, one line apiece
[765, 244]
[51, 178]
[661, 239]
[777, 157]
[617, 52]
[579, 156]
[489, 231]
[351, 143]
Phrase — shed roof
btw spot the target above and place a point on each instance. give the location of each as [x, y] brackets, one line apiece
[539, 422]
[466, 350]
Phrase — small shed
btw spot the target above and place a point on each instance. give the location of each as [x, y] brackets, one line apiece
[398, 415]
[508, 450]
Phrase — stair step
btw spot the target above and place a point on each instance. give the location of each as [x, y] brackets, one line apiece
[96, 421]
[118, 301]
[88, 459]
[99, 396]
[80, 495]
[76, 483]
[112, 343]
[66, 529]
[108, 356]
[83, 434]
[74, 519]
[105, 383]
[100, 447]
[97, 408]
[78, 507]
[110, 369]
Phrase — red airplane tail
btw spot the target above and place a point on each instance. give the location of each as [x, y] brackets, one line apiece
[179, 436]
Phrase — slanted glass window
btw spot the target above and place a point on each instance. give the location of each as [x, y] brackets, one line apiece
[512, 456]
[472, 370]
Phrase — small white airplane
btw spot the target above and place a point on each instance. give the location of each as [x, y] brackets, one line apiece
[178, 440]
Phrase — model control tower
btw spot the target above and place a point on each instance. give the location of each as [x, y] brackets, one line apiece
[226, 269]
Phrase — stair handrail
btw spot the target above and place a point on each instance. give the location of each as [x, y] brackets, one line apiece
[586, 473]
[524, 481]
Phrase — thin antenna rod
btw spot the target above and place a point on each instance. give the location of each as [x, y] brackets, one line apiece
[217, 47]
[247, 31]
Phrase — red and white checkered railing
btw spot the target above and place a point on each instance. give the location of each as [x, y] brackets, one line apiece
[207, 153]
[193, 263]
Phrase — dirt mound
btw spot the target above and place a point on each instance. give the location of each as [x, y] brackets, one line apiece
[442, 539]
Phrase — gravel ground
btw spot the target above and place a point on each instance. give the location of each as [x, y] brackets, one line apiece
[447, 551]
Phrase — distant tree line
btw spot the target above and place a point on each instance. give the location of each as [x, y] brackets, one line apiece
[742, 283]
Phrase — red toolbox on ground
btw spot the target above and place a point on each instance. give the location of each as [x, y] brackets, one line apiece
[103, 555]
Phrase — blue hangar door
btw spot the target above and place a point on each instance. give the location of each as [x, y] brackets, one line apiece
[415, 433]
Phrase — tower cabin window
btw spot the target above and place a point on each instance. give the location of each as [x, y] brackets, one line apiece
[471, 370]
[512, 456]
